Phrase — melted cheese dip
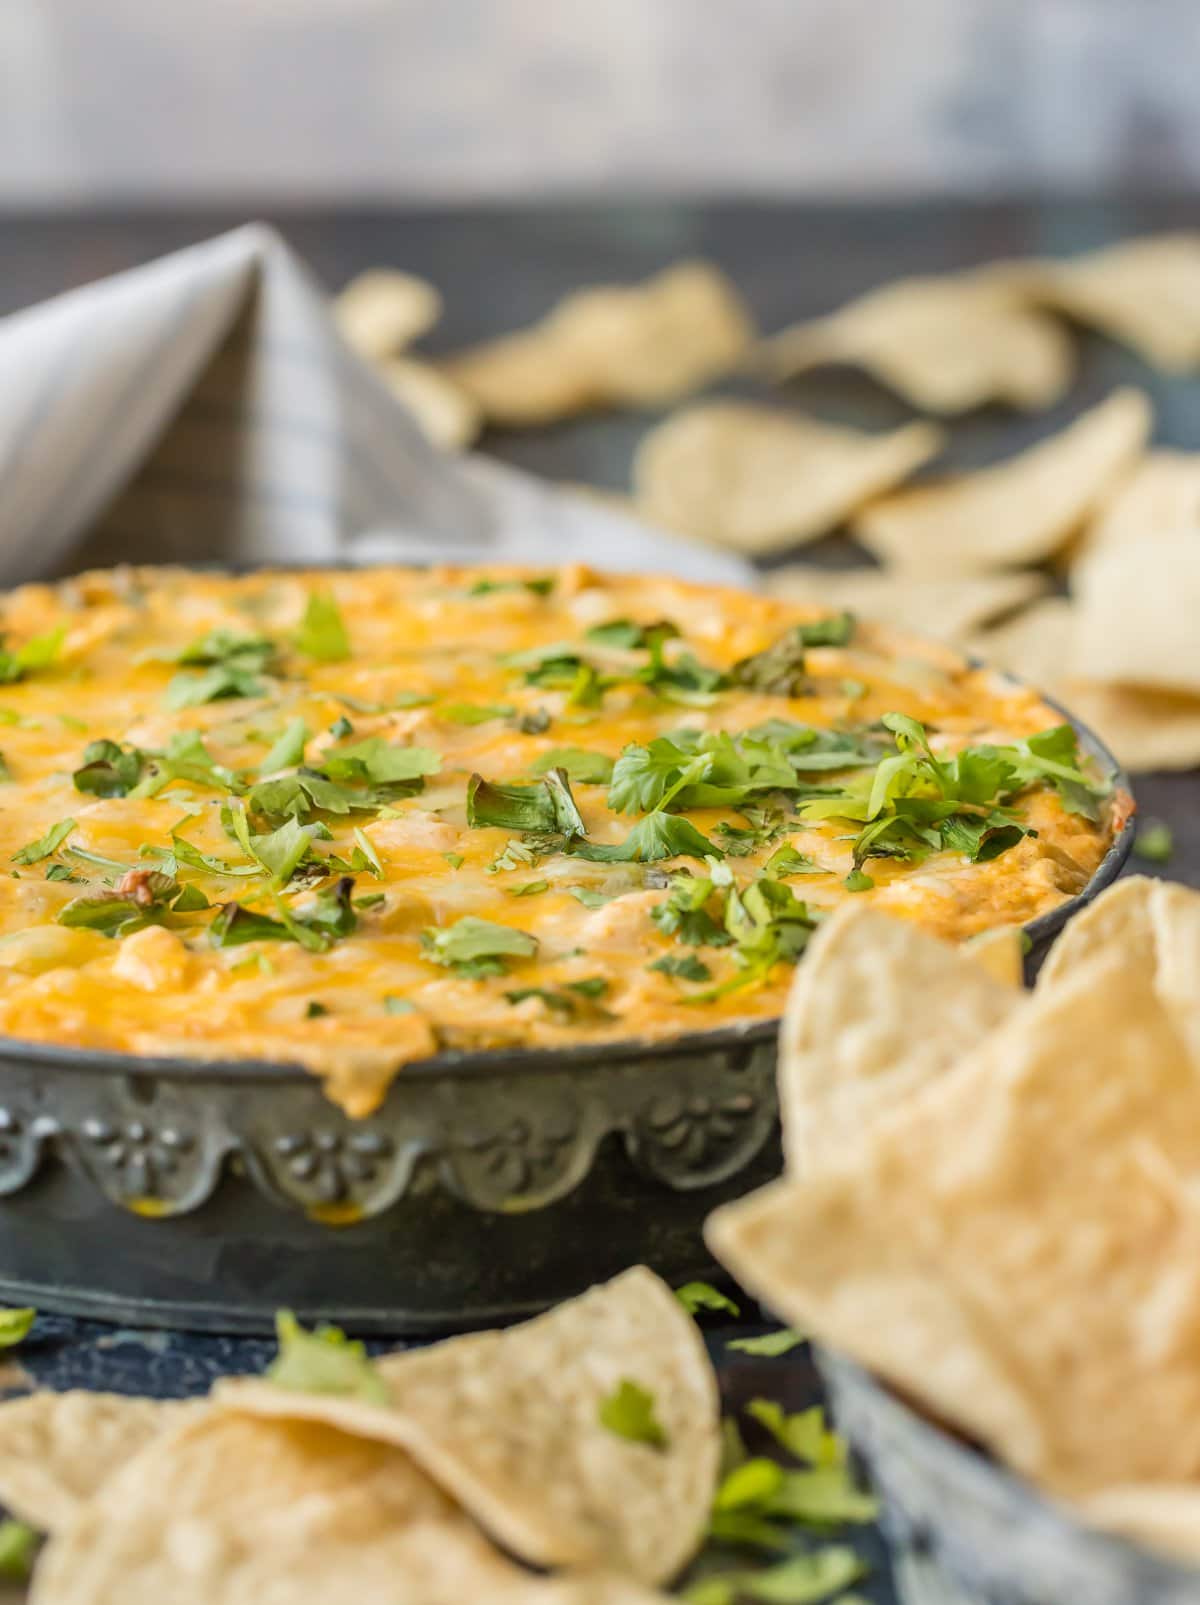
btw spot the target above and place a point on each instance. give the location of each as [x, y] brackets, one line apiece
[422, 648]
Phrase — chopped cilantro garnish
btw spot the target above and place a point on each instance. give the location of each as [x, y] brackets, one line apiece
[34, 852]
[781, 669]
[18, 1546]
[686, 966]
[629, 1413]
[38, 653]
[322, 634]
[15, 1326]
[316, 927]
[476, 948]
[540, 585]
[314, 1010]
[770, 1345]
[592, 986]
[546, 806]
[530, 889]
[1154, 842]
[657, 836]
[231, 667]
[288, 750]
[857, 881]
[695, 1296]
[323, 1361]
[584, 767]
[785, 861]
[803, 1579]
[395, 1005]
[470, 713]
[455, 860]
[590, 897]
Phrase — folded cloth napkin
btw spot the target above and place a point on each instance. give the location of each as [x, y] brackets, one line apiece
[205, 408]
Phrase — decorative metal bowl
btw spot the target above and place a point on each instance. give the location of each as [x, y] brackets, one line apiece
[208, 1194]
[968, 1532]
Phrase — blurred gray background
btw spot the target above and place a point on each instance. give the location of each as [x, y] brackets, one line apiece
[170, 101]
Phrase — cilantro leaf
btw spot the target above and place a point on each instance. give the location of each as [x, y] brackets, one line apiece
[476, 947]
[695, 1296]
[584, 767]
[658, 835]
[686, 966]
[629, 1413]
[15, 1326]
[323, 1361]
[39, 652]
[803, 1579]
[471, 713]
[780, 670]
[1155, 842]
[322, 634]
[316, 927]
[34, 852]
[288, 750]
[547, 806]
[18, 1547]
[804, 1435]
[770, 1345]
[232, 665]
[108, 769]
[540, 585]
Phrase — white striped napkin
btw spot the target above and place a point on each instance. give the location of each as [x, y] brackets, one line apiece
[205, 408]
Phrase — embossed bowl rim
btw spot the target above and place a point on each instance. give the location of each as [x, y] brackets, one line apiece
[456, 1062]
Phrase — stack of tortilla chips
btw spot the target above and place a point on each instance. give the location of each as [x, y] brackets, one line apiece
[991, 1198]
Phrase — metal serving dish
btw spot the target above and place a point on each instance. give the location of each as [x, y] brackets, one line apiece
[208, 1194]
[968, 1532]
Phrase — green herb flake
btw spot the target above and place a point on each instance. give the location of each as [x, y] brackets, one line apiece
[628, 1412]
[18, 1547]
[315, 1010]
[856, 881]
[34, 852]
[472, 713]
[696, 1296]
[395, 1005]
[1154, 842]
[800, 1580]
[14, 1326]
[770, 1345]
[686, 966]
[40, 652]
[476, 948]
[322, 634]
[582, 767]
[530, 889]
[323, 1361]
[288, 750]
[455, 860]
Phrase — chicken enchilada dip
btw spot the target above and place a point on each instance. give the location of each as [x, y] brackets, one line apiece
[350, 819]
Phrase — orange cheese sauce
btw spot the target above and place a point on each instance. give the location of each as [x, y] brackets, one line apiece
[420, 647]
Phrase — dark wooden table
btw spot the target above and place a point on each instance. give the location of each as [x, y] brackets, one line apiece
[498, 268]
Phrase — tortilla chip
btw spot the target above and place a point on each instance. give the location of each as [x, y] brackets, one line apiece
[1161, 496]
[946, 344]
[854, 1046]
[1155, 924]
[757, 479]
[642, 345]
[382, 312]
[1034, 645]
[1165, 1516]
[57, 1448]
[1021, 1252]
[1000, 953]
[1018, 511]
[509, 1424]
[1145, 293]
[446, 414]
[946, 610]
[1136, 611]
[230, 1510]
